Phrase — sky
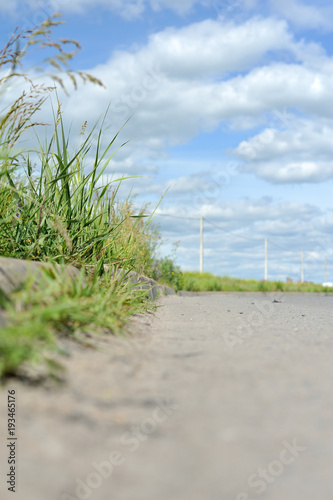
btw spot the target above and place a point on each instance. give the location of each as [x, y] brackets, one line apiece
[230, 117]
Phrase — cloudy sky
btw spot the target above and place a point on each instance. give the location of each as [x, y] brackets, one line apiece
[231, 114]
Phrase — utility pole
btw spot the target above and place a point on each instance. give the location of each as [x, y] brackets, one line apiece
[302, 269]
[325, 269]
[201, 244]
[266, 260]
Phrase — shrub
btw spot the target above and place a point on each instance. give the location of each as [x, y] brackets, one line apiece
[170, 274]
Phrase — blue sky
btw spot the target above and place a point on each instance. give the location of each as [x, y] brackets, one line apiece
[231, 111]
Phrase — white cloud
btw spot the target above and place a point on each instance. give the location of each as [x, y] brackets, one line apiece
[244, 212]
[176, 90]
[300, 14]
[210, 48]
[303, 15]
[254, 218]
[191, 184]
[301, 154]
[128, 9]
[295, 172]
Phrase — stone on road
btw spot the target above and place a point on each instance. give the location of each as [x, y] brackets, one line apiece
[218, 396]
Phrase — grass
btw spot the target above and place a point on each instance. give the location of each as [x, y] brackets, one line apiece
[53, 208]
[38, 316]
[167, 273]
[62, 214]
[206, 282]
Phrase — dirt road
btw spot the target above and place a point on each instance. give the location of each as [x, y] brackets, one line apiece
[215, 397]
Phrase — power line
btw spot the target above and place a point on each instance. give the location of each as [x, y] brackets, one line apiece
[178, 217]
[230, 232]
[285, 249]
[211, 223]
[257, 240]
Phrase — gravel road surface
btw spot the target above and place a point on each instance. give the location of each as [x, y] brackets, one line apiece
[224, 396]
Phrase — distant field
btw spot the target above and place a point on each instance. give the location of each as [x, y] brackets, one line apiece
[205, 282]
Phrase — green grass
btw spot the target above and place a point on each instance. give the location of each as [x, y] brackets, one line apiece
[58, 307]
[62, 214]
[167, 273]
[54, 209]
[206, 282]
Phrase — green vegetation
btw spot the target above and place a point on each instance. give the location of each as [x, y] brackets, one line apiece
[53, 208]
[168, 273]
[206, 282]
[61, 306]
[63, 215]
